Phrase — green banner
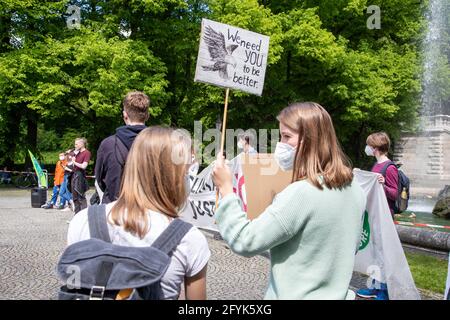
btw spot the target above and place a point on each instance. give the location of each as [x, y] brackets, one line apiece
[42, 179]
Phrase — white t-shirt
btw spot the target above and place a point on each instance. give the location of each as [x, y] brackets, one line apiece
[188, 259]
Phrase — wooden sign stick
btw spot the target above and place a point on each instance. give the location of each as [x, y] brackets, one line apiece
[224, 128]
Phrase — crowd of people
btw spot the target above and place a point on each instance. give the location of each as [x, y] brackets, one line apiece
[312, 228]
[70, 182]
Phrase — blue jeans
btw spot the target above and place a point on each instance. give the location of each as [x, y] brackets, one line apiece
[55, 195]
[64, 193]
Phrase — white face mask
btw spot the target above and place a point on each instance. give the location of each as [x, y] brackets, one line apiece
[240, 145]
[369, 151]
[284, 156]
[61, 158]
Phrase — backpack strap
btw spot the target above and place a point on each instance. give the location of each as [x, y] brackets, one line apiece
[172, 236]
[386, 166]
[120, 148]
[98, 226]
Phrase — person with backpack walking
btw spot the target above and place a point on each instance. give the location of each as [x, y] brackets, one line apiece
[144, 227]
[113, 151]
[313, 227]
[378, 145]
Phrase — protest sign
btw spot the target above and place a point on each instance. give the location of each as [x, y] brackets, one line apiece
[264, 179]
[232, 57]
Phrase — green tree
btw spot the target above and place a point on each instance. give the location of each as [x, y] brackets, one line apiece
[320, 50]
[82, 77]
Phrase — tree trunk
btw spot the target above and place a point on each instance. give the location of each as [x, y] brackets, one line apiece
[31, 138]
[358, 146]
[288, 66]
[5, 27]
[12, 118]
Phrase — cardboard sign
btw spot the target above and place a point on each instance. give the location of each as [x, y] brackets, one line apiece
[264, 179]
[232, 57]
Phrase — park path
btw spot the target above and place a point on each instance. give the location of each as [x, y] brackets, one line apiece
[31, 241]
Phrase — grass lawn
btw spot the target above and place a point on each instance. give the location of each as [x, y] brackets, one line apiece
[429, 273]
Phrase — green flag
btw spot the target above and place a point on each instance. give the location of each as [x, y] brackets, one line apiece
[42, 180]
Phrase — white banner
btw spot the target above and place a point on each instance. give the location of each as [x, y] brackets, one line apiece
[232, 57]
[447, 290]
[202, 199]
[380, 252]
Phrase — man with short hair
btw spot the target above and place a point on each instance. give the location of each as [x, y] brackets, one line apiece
[113, 150]
[79, 183]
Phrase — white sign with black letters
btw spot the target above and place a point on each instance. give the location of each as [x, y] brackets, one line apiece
[232, 57]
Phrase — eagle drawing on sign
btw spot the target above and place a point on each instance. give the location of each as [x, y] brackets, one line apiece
[219, 52]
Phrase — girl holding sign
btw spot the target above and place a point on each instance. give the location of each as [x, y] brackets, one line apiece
[312, 228]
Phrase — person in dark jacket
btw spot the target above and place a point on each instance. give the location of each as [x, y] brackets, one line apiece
[113, 151]
[79, 184]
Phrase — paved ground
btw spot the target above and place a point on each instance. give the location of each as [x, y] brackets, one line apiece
[31, 241]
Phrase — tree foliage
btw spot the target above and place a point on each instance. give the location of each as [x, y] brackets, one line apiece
[320, 50]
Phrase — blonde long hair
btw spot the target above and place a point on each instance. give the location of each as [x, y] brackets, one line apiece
[153, 177]
[318, 151]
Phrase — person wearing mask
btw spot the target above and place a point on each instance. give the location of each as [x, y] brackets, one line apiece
[153, 192]
[113, 151]
[378, 145]
[57, 182]
[79, 184]
[244, 143]
[312, 228]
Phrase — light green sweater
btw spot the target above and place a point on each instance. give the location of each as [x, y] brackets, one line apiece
[312, 236]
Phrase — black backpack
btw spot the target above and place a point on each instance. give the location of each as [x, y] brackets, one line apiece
[96, 269]
[401, 203]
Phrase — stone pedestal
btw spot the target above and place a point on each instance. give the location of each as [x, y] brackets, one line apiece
[425, 156]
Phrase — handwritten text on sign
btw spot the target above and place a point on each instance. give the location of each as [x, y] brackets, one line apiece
[232, 57]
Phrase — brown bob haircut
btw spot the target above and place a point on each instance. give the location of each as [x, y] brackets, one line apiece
[380, 141]
[318, 153]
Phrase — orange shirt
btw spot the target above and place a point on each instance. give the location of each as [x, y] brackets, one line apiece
[59, 172]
